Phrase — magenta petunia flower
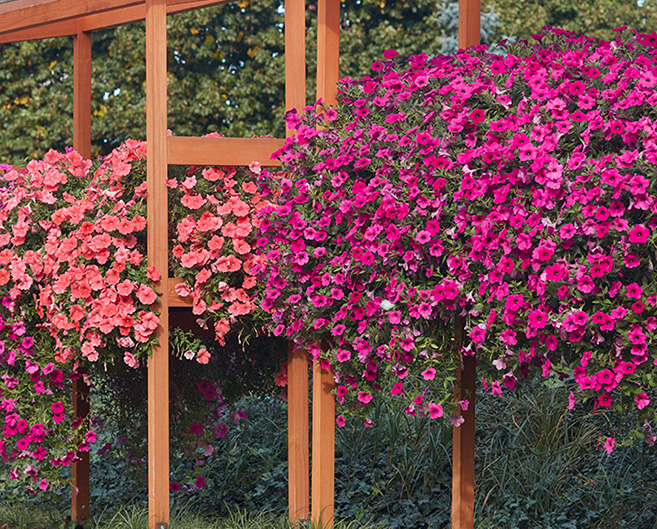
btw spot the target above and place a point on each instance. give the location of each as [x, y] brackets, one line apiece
[605, 400]
[638, 234]
[641, 400]
[429, 374]
[477, 334]
[633, 290]
[195, 428]
[537, 319]
[364, 397]
[435, 410]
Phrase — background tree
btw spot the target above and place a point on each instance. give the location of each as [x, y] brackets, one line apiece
[594, 18]
[226, 64]
[226, 71]
[36, 105]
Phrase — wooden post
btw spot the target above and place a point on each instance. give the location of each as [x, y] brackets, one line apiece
[82, 144]
[82, 94]
[297, 358]
[323, 455]
[157, 232]
[80, 470]
[323, 472]
[297, 436]
[469, 23]
[295, 56]
[323, 461]
[328, 50]
[463, 467]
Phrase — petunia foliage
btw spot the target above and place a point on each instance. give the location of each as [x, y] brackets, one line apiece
[510, 187]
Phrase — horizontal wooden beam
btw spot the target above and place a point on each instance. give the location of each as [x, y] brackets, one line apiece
[26, 14]
[185, 150]
[96, 21]
[174, 299]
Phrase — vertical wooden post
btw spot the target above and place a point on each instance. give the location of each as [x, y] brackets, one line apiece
[328, 50]
[469, 23]
[297, 358]
[323, 455]
[463, 467]
[82, 144]
[157, 233]
[295, 56]
[297, 436]
[82, 93]
[80, 470]
[323, 471]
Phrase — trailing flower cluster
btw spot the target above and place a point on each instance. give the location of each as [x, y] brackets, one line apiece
[77, 292]
[216, 214]
[72, 243]
[514, 190]
[35, 396]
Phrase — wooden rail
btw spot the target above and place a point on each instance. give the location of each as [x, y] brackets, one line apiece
[185, 150]
[44, 20]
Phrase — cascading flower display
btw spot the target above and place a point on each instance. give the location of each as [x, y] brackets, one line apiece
[77, 294]
[73, 243]
[216, 212]
[514, 189]
[74, 287]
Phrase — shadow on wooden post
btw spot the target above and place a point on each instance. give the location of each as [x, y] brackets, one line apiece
[463, 466]
[80, 469]
[323, 458]
[297, 421]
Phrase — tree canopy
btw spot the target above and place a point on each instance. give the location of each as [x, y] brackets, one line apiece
[594, 18]
[226, 72]
[226, 64]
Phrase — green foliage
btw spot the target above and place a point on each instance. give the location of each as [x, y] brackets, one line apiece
[235, 370]
[226, 72]
[36, 88]
[536, 467]
[540, 465]
[594, 18]
[396, 472]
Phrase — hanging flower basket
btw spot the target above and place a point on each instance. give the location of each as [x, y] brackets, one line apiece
[511, 188]
[76, 291]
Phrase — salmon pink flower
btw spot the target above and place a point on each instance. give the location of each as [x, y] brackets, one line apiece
[203, 356]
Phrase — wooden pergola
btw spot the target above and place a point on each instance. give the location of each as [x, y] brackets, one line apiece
[38, 19]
